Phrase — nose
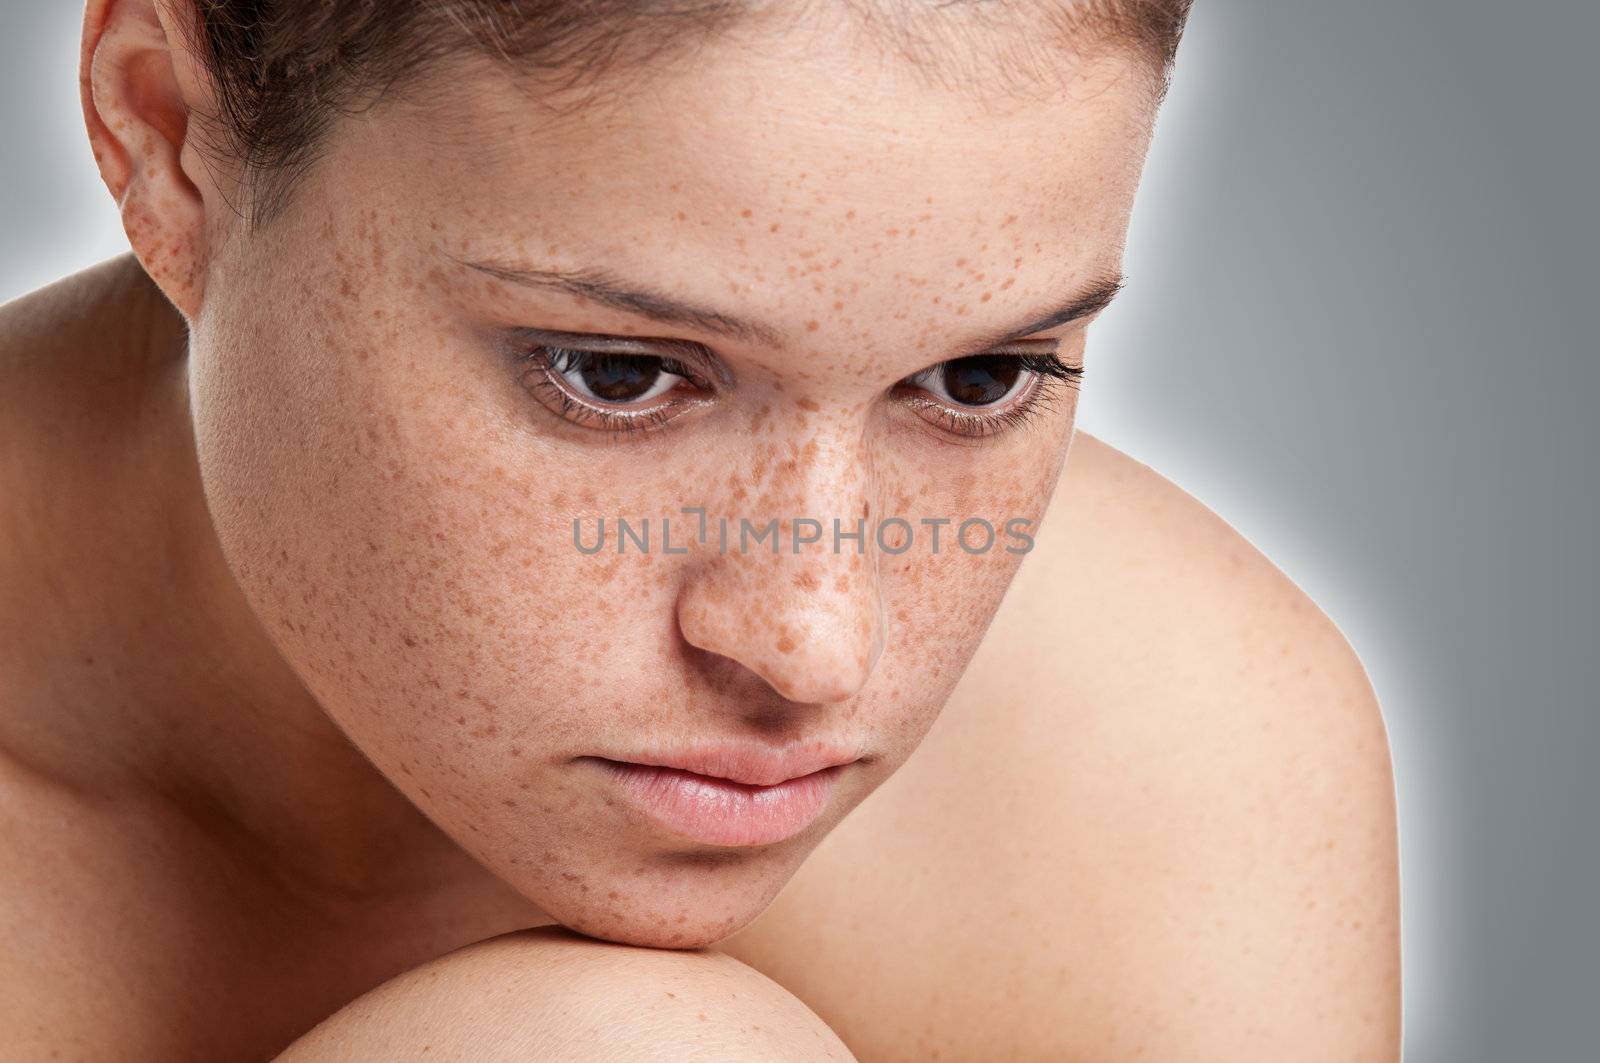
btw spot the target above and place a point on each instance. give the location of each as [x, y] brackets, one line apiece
[806, 617]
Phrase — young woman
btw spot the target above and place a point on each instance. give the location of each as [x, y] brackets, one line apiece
[515, 564]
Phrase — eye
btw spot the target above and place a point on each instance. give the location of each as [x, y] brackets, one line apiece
[985, 393]
[982, 380]
[614, 378]
[612, 390]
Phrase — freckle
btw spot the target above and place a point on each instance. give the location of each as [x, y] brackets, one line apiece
[785, 644]
[774, 228]
[745, 213]
[811, 326]
[891, 232]
[838, 305]
[809, 404]
[682, 216]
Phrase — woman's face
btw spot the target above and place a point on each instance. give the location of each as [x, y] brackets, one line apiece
[395, 458]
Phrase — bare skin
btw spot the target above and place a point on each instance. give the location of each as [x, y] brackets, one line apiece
[299, 679]
[1186, 808]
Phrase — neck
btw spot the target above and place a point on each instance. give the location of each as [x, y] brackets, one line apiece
[158, 680]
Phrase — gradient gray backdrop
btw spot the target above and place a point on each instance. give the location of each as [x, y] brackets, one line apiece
[1359, 327]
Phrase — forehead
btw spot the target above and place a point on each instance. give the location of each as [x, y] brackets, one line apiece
[775, 164]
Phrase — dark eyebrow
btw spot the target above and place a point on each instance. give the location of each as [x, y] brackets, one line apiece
[605, 287]
[1086, 303]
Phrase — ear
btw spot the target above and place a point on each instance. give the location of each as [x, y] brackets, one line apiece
[142, 90]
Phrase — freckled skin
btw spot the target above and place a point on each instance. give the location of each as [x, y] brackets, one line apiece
[397, 508]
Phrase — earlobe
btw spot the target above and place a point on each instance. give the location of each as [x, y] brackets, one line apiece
[140, 91]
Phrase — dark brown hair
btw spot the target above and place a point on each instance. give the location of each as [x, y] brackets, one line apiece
[283, 70]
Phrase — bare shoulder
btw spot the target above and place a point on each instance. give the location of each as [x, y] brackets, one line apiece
[1161, 594]
[1137, 594]
[65, 353]
[72, 413]
[1155, 820]
[1215, 756]
[65, 313]
[549, 994]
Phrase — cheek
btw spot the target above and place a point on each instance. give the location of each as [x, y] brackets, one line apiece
[942, 596]
[399, 543]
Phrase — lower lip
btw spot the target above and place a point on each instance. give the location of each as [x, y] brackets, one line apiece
[718, 812]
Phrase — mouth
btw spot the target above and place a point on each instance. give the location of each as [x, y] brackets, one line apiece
[715, 810]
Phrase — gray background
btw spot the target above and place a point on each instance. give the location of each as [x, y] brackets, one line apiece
[1358, 328]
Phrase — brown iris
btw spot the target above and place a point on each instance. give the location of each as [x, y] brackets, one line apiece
[981, 380]
[619, 377]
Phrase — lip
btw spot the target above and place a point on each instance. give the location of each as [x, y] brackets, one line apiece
[705, 794]
[750, 765]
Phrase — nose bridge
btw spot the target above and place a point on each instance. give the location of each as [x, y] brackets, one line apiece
[787, 582]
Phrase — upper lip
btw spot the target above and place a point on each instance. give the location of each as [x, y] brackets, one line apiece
[753, 764]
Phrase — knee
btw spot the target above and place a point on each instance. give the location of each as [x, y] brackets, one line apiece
[553, 994]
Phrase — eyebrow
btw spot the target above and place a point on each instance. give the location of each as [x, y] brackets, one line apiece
[603, 286]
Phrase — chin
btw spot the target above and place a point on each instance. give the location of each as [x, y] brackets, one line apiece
[645, 933]
[690, 902]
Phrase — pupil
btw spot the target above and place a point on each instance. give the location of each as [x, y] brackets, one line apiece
[620, 377]
[982, 379]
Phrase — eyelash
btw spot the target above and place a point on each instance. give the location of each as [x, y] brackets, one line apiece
[1051, 377]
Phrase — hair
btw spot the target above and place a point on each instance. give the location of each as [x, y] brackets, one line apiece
[282, 71]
